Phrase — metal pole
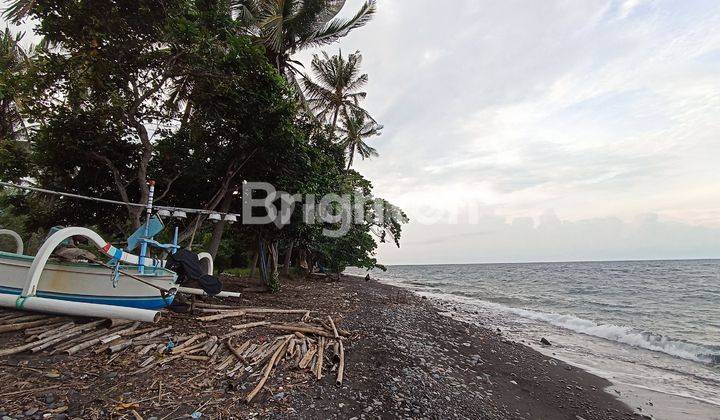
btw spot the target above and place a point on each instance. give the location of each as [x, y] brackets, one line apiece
[148, 210]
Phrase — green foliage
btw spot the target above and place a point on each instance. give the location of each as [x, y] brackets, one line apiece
[180, 91]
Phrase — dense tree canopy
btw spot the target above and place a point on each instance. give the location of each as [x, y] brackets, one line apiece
[182, 92]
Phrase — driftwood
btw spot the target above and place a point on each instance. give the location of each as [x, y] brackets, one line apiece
[125, 344]
[27, 324]
[301, 328]
[238, 351]
[242, 327]
[209, 345]
[187, 343]
[266, 374]
[318, 367]
[221, 316]
[213, 306]
[305, 361]
[102, 338]
[191, 357]
[24, 318]
[341, 363]
[62, 336]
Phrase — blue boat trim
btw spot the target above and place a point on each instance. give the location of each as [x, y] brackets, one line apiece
[142, 302]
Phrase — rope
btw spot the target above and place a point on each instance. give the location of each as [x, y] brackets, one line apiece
[107, 201]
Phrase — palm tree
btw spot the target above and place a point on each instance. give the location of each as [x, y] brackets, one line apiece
[286, 27]
[13, 61]
[355, 128]
[336, 91]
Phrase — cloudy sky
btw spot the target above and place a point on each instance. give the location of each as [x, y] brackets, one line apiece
[546, 130]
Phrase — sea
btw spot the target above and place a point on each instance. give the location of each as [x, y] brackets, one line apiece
[652, 328]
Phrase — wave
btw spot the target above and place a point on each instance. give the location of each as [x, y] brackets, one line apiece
[621, 334]
[626, 335]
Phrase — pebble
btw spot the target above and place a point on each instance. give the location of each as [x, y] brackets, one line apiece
[31, 411]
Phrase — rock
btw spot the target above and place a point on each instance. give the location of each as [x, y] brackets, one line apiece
[31, 411]
[279, 396]
[111, 375]
[545, 342]
[513, 382]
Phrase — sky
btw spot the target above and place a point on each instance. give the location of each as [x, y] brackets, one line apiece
[545, 130]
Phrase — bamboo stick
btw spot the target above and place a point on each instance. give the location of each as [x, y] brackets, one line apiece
[23, 325]
[341, 365]
[62, 336]
[242, 327]
[273, 311]
[192, 357]
[91, 341]
[301, 328]
[321, 349]
[221, 316]
[24, 318]
[187, 343]
[125, 344]
[238, 351]
[210, 344]
[266, 374]
[307, 358]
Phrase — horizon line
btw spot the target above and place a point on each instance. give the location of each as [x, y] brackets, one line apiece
[559, 262]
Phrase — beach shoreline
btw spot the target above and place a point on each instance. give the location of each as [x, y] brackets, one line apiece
[403, 359]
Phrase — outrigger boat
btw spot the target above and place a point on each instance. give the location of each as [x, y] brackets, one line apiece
[94, 288]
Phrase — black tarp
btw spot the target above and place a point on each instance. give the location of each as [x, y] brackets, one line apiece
[187, 266]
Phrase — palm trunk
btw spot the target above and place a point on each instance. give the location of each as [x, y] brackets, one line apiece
[335, 117]
[350, 157]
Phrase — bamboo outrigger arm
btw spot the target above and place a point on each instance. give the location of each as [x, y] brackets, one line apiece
[206, 256]
[58, 237]
[18, 241]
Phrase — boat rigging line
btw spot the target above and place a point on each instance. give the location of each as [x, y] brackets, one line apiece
[108, 201]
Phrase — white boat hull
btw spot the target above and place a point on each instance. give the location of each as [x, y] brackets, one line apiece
[89, 283]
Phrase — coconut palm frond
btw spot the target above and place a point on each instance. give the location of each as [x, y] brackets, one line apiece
[18, 10]
[356, 126]
[338, 28]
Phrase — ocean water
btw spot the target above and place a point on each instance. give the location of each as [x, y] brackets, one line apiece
[651, 325]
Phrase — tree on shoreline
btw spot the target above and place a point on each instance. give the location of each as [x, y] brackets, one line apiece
[133, 90]
[337, 89]
[14, 64]
[355, 128]
[286, 27]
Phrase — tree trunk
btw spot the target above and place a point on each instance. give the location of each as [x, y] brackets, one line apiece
[288, 258]
[273, 248]
[253, 267]
[219, 227]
